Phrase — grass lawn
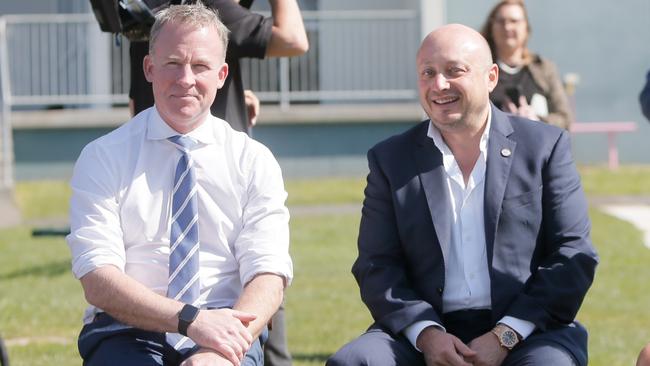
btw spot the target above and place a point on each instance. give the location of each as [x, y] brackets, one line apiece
[41, 304]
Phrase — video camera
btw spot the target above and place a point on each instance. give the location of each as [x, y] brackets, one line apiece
[132, 18]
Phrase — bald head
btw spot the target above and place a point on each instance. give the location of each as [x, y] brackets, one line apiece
[459, 38]
[455, 77]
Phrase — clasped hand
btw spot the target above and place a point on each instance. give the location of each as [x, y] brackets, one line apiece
[440, 348]
[224, 336]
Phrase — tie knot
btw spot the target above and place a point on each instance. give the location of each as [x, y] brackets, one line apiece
[185, 143]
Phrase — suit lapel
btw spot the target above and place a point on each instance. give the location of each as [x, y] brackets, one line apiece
[432, 175]
[501, 150]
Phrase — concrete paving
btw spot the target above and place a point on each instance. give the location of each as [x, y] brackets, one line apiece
[637, 215]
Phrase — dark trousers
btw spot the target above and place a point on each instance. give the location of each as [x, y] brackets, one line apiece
[107, 342]
[378, 347]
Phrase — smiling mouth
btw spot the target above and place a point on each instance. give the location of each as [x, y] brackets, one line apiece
[445, 100]
[185, 96]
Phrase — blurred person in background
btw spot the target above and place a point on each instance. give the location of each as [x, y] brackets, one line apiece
[529, 85]
[644, 98]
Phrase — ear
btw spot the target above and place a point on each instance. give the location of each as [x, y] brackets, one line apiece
[147, 66]
[493, 77]
[222, 74]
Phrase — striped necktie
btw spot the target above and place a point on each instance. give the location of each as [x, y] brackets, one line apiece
[184, 283]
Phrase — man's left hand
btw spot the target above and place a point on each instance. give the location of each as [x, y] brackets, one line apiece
[206, 357]
[488, 350]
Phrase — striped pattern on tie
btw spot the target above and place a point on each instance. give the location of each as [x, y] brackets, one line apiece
[184, 284]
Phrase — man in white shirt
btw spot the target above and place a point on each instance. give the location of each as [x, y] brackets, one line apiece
[179, 232]
[474, 244]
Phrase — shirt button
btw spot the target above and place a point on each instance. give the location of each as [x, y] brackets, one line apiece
[439, 290]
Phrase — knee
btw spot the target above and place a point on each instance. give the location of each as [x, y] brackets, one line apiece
[353, 355]
[644, 356]
[541, 353]
[346, 356]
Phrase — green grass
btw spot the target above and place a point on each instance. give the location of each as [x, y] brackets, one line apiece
[326, 191]
[627, 180]
[616, 308]
[43, 199]
[41, 302]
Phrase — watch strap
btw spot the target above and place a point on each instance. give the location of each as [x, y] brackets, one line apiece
[186, 316]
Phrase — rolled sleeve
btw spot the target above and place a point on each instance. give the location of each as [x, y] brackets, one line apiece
[95, 238]
[263, 244]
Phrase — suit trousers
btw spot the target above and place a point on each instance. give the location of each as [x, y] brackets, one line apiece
[378, 347]
[107, 342]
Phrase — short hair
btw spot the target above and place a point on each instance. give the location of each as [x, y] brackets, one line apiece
[487, 33]
[194, 15]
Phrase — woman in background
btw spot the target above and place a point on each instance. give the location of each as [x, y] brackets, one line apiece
[529, 85]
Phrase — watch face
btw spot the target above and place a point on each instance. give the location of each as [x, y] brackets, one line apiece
[509, 338]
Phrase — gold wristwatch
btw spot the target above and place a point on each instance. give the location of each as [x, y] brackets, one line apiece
[507, 337]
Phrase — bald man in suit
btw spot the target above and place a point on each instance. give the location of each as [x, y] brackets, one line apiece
[474, 244]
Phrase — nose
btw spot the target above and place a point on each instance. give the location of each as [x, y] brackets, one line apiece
[185, 77]
[440, 82]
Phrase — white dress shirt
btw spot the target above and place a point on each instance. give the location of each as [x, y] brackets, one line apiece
[467, 277]
[121, 205]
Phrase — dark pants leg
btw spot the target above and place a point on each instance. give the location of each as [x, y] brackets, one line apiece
[276, 352]
[532, 353]
[377, 348]
[127, 349]
[106, 342]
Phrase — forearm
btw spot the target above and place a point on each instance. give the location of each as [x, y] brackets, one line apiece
[288, 35]
[129, 301]
[262, 296]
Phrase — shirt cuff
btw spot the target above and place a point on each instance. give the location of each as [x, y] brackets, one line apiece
[413, 331]
[523, 327]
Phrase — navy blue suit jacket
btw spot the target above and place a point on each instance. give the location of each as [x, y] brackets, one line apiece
[540, 257]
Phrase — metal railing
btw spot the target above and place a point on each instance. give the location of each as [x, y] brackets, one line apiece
[354, 56]
[64, 60]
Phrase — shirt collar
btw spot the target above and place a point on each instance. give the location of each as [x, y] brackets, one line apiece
[158, 129]
[435, 135]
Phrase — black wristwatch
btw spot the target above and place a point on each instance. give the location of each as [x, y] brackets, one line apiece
[186, 317]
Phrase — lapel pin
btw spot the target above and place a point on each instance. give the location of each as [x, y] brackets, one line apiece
[505, 152]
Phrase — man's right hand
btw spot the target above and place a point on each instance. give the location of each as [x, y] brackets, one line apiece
[223, 330]
[441, 348]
